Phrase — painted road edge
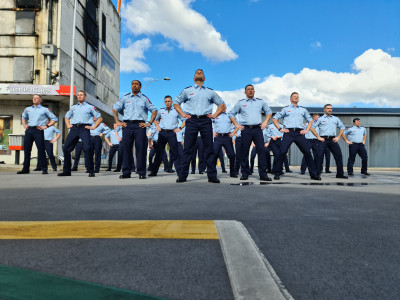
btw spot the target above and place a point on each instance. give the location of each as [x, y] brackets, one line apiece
[251, 275]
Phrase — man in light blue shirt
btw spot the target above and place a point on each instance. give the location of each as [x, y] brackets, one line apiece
[293, 117]
[135, 107]
[97, 143]
[199, 101]
[79, 119]
[224, 130]
[250, 110]
[34, 120]
[328, 125]
[356, 136]
[312, 139]
[113, 139]
[49, 140]
[167, 129]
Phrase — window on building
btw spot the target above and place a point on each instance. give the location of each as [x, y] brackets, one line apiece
[6, 74]
[91, 54]
[23, 69]
[6, 126]
[90, 87]
[103, 28]
[29, 4]
[24, 22]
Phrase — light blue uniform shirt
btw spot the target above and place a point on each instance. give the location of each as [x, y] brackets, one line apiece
[169, 119]
[239, 132]
[82, 113]
[112, 135]
[265, 135]
[198, 100]
[273, 131]
[180, 134]
[134, 107]
[102, 128]
[38, 116]
[328, 125]
[309, 135]
[293, 116]
[355, 134]
[154, 133]
[222, 124]
[250, 111]
[49, 133]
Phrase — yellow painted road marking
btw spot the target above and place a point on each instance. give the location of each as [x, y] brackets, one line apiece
[192, 229]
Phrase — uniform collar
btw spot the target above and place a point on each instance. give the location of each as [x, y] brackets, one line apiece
[294, 106]
[84, 103]
[248, 99]
[326, 116]
[38, 106]
[138, 95]
[198, 86]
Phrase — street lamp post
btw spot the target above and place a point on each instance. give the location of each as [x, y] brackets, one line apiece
[165, 78]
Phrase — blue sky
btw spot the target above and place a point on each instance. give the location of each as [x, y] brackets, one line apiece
[342, 52]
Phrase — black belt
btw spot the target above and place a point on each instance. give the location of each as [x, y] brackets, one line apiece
[295, 129]
[199, 117]
[329, 137]
[223, 134]
[33, 127]
[81, 125]
[167, 130]
[134, 121]
[252, 126]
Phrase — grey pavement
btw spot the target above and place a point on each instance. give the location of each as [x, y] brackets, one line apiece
[334, 239]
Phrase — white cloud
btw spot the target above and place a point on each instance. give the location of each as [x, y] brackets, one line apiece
[164, 47]
[316, 45]
[256, 79]
[133, 55]
[374, 82]
[176, 20]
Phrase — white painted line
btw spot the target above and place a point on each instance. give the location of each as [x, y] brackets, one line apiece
[251, 276]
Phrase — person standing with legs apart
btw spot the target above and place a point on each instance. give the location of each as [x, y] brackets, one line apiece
[97, 143]
[199, 101]
[312, 139]
[224, 130]
[293, 117]
[167, 131]
[49, 140]
[82, 115]
[274, 142]
[250, 110]
[113, 139]
[135, 107]
[356, 137]
[37, 116]
[327, 125]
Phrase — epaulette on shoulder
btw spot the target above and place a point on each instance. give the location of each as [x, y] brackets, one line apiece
[127, 94]
[259, 99]
[242, 99]
[187, 87]
[208, 88]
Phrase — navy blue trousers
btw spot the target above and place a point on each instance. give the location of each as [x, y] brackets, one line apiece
[254, 135]
[276, 149]
[97, 145]
[337, 155]
[238, 145]
[354, 149]
[226, 142]
[327, 159]
[314, 149]
[304, 146]
[49, 150]
[70, 143]
[165, 137]
[78, 151]
[111, 153]
[37, 136]
[222, 160]
[198, 152]
[193, 127]
[253, 157]
[133, 133]
[152, 155]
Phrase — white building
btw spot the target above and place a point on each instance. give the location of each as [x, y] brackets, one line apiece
[35, 58]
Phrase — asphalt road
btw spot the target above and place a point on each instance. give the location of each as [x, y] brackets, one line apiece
[335, 240]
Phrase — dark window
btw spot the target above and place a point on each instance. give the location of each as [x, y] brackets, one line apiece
[25, 22]
[90, 87]
[103, 28]
[23, 69]
[29, 4]
[91, 54]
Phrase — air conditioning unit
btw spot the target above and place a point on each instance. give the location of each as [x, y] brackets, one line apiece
[49, 49]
